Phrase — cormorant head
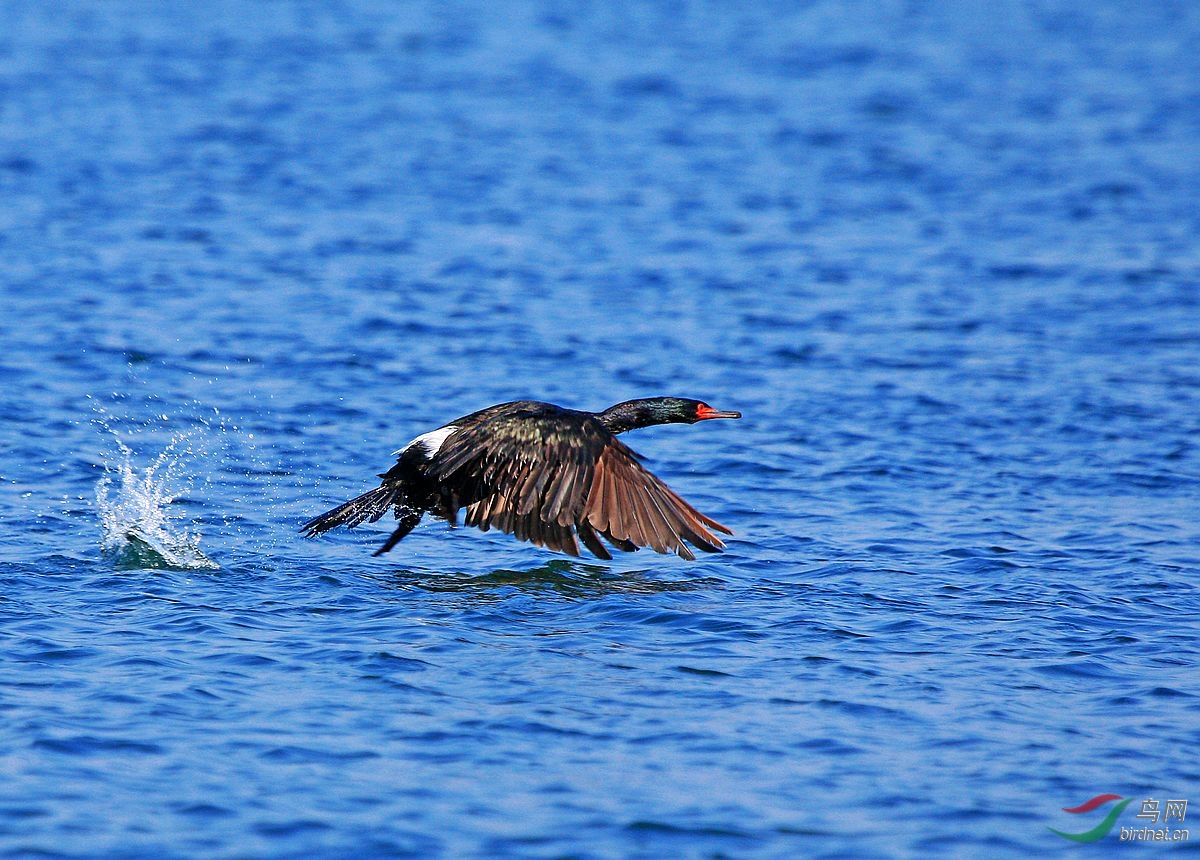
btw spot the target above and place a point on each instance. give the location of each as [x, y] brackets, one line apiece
[648, 411]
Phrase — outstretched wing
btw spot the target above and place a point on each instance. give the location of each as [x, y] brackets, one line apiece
[549, 475]
[627, 503]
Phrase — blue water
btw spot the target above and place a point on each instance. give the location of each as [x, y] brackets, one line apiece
[943, 256]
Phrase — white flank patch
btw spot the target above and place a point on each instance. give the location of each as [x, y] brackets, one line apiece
[432, 441]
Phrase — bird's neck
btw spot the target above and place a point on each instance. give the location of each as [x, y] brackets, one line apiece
[630, 415]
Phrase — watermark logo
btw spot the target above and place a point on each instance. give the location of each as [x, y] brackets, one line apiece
[1101, 829]
[1154, 811]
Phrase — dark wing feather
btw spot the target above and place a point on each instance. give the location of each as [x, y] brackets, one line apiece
[547, 475]
[535, 457]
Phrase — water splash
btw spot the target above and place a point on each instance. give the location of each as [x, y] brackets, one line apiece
[140, 529]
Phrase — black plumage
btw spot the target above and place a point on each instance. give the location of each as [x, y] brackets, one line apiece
[544, 474]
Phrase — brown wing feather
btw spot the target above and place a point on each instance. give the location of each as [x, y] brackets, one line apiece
[629, 503]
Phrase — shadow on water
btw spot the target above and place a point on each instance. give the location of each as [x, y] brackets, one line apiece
[561, 577]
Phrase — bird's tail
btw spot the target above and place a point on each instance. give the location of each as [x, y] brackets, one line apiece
[368, 507]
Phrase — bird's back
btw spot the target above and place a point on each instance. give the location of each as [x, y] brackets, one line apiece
[505, 448]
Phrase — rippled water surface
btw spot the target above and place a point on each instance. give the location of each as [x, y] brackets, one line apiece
[942, 256]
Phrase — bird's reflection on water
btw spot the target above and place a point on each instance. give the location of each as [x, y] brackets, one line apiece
[562, 577]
